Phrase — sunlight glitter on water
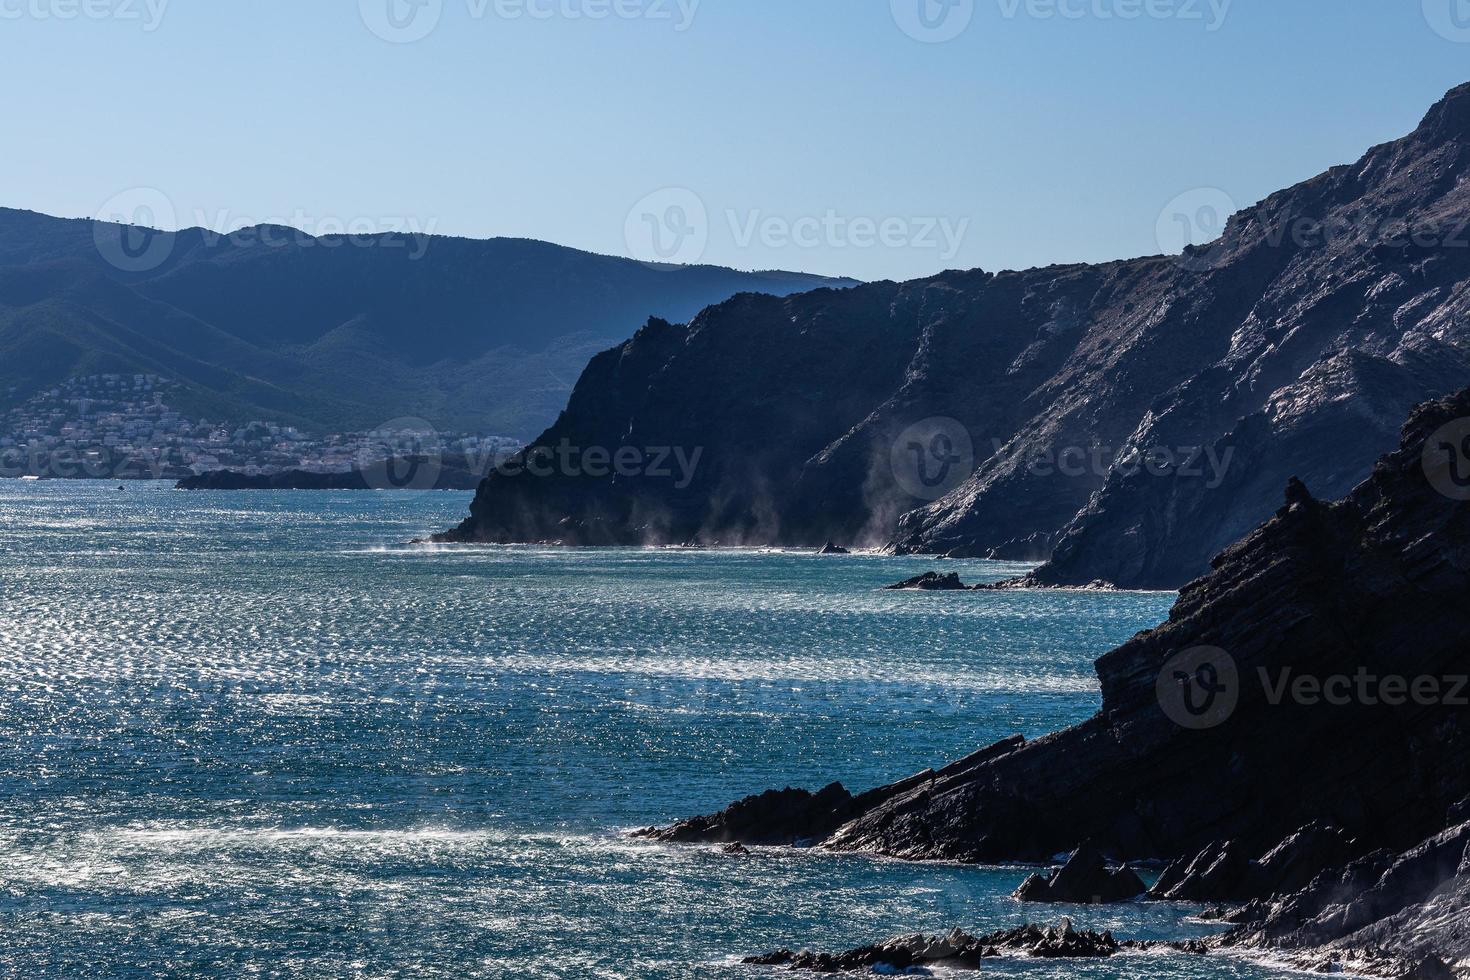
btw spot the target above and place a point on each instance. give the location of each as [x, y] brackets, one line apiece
[254, 734]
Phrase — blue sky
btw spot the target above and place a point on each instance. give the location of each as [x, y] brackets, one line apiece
[819, 135]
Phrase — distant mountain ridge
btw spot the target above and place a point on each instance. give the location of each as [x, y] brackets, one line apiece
[1293, 345]
[336, 333]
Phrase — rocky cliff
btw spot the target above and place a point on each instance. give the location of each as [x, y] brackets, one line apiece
[1300, 723]
[1128, 420]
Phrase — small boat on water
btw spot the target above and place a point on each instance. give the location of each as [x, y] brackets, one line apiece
[29, 478]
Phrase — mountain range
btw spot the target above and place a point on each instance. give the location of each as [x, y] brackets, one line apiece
[330, 333]
[1124, 421]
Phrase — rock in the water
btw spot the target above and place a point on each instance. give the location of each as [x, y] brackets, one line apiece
[931, 582]
[798, 816]
[787, 816]
[958, 950]
[1083, 880]
[833, 549]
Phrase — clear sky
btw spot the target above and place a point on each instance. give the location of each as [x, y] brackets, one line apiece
[833, 136]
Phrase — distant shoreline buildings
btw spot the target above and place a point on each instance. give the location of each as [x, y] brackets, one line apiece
[121, 426]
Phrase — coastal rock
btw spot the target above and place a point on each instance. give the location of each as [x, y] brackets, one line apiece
[832, 549]
[1370, 586]
[1083, 880]
[1127, 421]
[1221, 872]
[1408, 905]
[793, 815]
[958, 950]
[786, 816]
[1302, 706]
[1430, 968]
[930, 582]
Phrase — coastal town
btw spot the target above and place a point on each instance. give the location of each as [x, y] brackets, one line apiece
[122, 426]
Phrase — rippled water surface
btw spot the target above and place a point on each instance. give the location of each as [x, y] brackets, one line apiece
[254, 734]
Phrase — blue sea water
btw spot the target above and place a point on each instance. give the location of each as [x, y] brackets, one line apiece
[256, 734]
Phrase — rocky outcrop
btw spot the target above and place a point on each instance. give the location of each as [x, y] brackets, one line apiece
[1223, 873]
[1127, 420]
[784, 816]
[792, 816]
[961, 951]
[1298, 723]
[833, 549]
[930, 582]
[1401, 910]
[1084, 880]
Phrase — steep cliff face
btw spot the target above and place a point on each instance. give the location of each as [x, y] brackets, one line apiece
[1316, 675]
[1365, 315]
[777, 399]
[987, 414]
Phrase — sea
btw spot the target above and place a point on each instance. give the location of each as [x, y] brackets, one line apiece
[262, 734]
